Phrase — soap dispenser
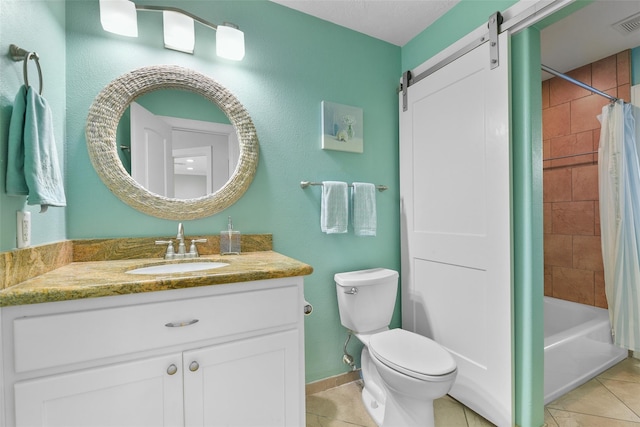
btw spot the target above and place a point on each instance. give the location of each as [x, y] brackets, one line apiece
[229, 240]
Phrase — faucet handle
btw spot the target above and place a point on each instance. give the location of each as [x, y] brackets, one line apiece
[170, 250]
[193, 250]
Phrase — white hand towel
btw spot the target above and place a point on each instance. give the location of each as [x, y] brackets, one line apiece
[334, 212]
[364, 209]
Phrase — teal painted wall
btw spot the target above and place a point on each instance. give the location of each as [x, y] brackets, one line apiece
[23, 22]
[293, 62]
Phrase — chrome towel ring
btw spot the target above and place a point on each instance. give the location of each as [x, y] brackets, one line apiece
[19, 54]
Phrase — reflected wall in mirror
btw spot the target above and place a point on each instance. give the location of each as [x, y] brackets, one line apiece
[147, 86]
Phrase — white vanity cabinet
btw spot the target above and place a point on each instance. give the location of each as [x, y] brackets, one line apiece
[227, 355]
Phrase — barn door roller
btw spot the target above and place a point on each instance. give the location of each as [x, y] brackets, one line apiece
[495, 21]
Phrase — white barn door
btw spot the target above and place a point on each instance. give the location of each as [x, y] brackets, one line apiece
[456, 218]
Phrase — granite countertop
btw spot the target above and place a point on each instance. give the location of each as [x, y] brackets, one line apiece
[91, 279]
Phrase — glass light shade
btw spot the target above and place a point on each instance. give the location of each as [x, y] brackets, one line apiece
[119, 17]
[179, 33]
[229, 42]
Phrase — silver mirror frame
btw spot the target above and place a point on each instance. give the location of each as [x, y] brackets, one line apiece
[102, 123]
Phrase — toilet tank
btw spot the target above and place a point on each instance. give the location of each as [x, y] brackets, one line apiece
[366, 298]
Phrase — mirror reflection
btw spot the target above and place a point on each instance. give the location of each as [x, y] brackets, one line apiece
[177, 144]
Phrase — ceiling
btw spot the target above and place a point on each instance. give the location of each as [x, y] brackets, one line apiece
[581, 38]
[589, 35]
[394, 21]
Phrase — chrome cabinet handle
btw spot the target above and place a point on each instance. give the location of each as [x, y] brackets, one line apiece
[172, 369]
[352, 291]
[181, 324]
[194, 366]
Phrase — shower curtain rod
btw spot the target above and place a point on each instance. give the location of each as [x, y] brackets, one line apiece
[578, 83]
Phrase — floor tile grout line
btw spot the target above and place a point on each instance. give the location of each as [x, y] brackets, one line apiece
[466, 416]
[617, 397]
[622, 380]
[550, 404]
[591, 415]
[336, 419]
[552, 417]
[547, 411]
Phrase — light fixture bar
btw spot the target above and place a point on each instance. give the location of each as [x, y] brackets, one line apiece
[177, 10]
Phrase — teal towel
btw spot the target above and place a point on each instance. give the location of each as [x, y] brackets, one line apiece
[334, 210]
[363, 198]
[41, 171]
[15, 183]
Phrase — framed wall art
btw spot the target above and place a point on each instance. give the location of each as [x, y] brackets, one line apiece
[342, 127]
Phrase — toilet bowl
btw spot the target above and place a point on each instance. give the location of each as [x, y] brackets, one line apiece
[415, 371]
[403, 372]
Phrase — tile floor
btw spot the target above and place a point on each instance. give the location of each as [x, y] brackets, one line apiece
[612, 399]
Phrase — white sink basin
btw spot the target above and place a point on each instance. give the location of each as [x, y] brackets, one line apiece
[185, 267]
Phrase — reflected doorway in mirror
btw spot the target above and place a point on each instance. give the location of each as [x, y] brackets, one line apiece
[181, 158]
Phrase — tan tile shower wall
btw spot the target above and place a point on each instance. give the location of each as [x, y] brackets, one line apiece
[572, 256]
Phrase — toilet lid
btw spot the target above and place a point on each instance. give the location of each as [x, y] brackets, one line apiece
[411, 354]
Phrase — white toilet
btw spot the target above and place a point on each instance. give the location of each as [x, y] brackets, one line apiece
[403, 372]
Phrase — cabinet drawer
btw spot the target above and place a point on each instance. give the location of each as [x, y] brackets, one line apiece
[61, 339]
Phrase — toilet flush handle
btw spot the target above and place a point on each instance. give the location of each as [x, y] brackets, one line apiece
[352, 291]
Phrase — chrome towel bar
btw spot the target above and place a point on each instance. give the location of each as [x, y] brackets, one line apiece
[305, 184]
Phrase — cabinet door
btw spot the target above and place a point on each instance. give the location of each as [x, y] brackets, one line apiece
[143, 393]
[252, 382]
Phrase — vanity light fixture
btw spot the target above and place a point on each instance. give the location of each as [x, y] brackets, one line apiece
[230, 42]
[179, 33]
[120, 17]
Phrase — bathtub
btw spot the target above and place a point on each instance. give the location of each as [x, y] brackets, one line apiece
[577, 346]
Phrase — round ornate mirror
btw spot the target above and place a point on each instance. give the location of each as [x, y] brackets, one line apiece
[102, 123]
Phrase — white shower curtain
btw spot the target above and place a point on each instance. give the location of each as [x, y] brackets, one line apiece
[619, 182]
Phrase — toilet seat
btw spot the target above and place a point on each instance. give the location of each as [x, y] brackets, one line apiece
[412, 354]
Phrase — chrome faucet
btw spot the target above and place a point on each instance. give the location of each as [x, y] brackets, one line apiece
[181, 252]
[180, 238]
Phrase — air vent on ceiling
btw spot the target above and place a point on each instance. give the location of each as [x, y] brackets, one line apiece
[628, 25]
